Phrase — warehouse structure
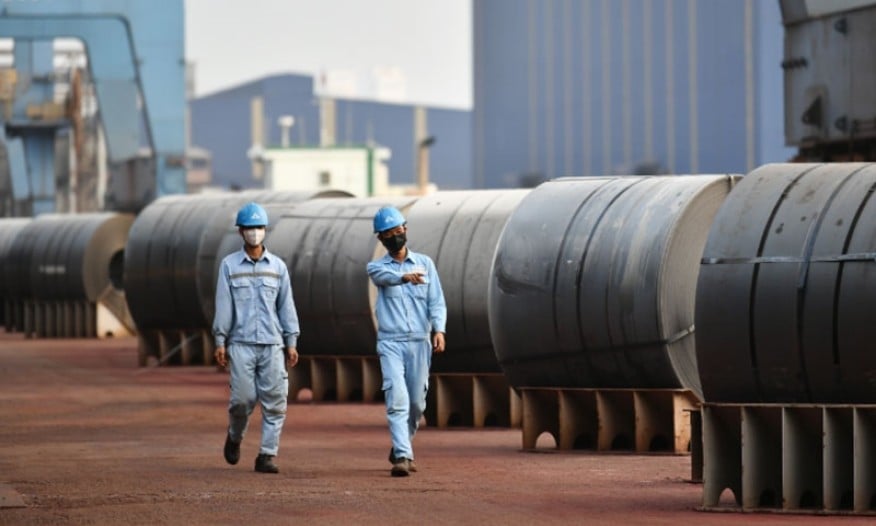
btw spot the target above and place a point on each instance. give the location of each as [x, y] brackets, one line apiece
[597, 87]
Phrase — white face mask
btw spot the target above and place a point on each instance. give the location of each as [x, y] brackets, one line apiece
[254, 236]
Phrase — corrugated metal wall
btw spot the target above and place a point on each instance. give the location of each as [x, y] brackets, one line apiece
[451, 155]
[585, 87]
[392, 125]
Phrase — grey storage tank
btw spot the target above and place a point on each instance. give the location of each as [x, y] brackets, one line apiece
[593, 282]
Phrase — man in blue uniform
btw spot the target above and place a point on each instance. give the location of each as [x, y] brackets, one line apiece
[411, 320]
[256, 331]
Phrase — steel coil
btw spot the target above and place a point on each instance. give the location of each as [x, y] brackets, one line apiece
[460, 231]
[785, 290]
[172, 251]
[61, 257]
[9, 229]
[593, 282]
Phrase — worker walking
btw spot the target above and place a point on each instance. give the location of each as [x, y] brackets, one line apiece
[411, 319]
[256, 331]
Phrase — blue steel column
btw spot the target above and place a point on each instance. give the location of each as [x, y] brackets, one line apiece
[33, 61]
[158, 30]
[17, 172]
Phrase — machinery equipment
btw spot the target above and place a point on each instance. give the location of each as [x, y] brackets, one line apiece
[135, 59]
[830, 100]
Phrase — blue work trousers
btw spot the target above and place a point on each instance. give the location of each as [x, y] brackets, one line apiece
[258, 373]
[405, 368]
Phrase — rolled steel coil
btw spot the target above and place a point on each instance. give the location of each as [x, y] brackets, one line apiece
[58, 257]
[172, 252]
[593, 282]
[9, 228]
[460, 232]
[785, 295]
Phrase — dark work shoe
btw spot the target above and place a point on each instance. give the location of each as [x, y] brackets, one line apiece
[401, 467]
[265, 464]
[232, 450]
[412, 466]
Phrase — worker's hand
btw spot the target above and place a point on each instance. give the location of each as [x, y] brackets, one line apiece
[291, 356]
[219, 355]
[438, 342]
[415, 278]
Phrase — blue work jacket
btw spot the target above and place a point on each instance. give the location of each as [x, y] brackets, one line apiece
[406, 311]
[254, 302]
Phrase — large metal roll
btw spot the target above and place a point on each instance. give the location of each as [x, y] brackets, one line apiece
[172, 251]
[785, 295]
[71, 257]
[162, 256]
[9, 228]
[460, 231]
[593, 282]
[326, 244]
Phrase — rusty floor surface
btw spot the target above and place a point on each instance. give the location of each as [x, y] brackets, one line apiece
[86, 437]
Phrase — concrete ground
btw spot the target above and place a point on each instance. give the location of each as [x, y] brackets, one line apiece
[87, 437]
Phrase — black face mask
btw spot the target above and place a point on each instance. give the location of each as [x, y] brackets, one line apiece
[395, 243]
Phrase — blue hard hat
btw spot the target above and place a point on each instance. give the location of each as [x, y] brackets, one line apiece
[387, 218]
[251, 215]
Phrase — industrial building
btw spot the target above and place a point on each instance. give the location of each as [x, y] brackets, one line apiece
[116, 116]
[560, 88]
[229, 123]
[598, 87]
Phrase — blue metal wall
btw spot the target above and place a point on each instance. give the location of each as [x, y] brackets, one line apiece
[221, 124]
[361, 122]
[291, 95]
[587, 87]
[451, 155]
[391, 125]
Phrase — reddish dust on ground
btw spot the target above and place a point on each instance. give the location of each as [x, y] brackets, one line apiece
[87, 437]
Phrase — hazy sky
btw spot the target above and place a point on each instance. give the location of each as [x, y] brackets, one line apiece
[419, 49]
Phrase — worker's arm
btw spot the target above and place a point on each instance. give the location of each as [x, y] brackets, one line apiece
[437, 308]
[288, 317]
[224, 316]
[382, 276]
